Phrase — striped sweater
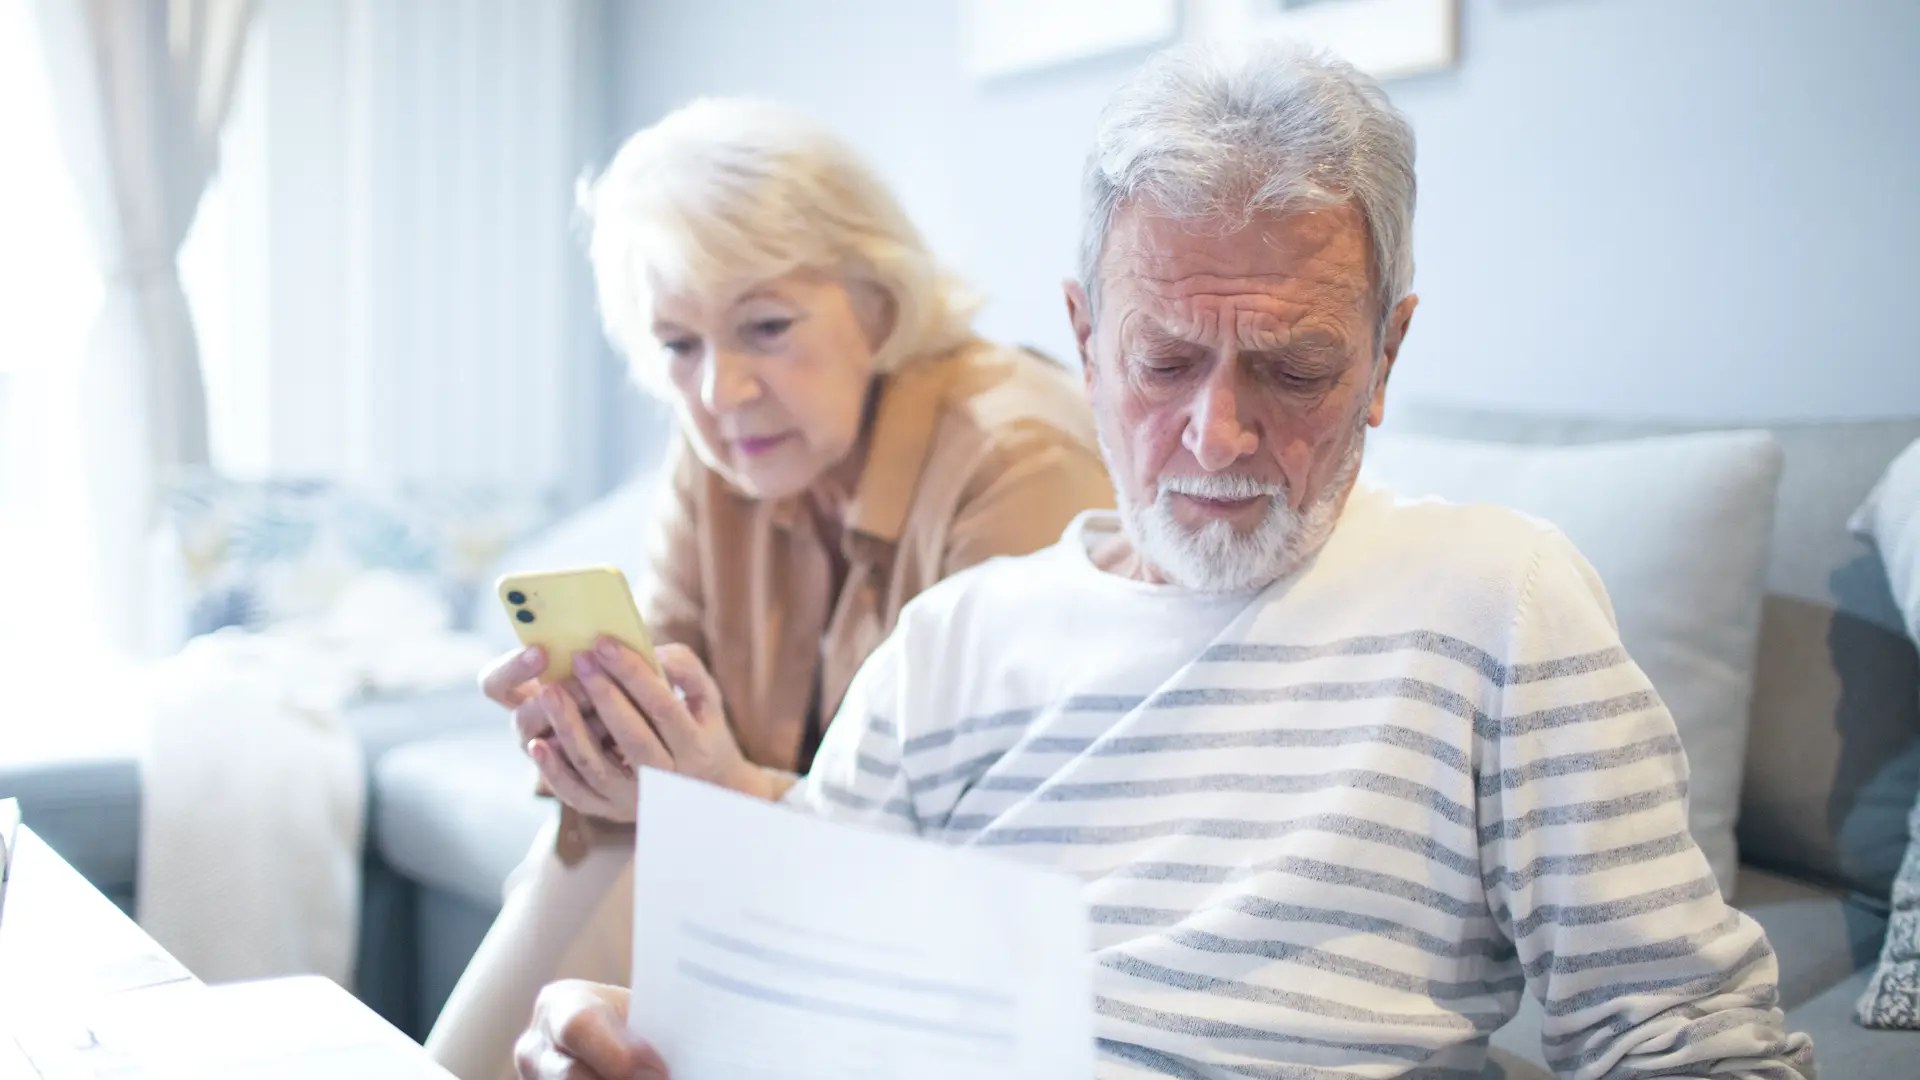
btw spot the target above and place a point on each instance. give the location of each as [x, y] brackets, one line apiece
[1335, 828]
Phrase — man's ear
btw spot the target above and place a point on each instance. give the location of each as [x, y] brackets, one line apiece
[1397, 325]
[1080, 313]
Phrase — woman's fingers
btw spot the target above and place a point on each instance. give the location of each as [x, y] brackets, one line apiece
[687, 712]
[580, 747]
[509, 680]
[630, 724]
[688, 675]
[672, 721]
[530, 720]
[567, 785]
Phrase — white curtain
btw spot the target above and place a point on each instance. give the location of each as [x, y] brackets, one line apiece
[139, 89]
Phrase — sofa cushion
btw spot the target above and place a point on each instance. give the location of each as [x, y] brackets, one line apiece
[1844, 1049]
[1890, 518]
[254, 553]
[458, 812]
[383, 723]
[1833, 754]
[1820, 935]
[1677, 528]
[87, 808]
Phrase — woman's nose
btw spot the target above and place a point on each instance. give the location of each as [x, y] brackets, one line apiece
[727, 383]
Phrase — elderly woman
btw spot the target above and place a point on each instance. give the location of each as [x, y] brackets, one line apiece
[847, 441]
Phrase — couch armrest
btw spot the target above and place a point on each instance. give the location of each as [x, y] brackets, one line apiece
[387, 722]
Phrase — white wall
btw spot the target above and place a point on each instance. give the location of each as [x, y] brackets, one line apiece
[1686, 208]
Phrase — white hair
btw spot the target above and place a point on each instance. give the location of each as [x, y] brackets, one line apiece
[725, 193]
[1217, 134]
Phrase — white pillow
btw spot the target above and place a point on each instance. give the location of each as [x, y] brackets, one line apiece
[1891, 519]
[1679, 528]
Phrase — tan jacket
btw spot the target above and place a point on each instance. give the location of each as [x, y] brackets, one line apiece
[986, 452]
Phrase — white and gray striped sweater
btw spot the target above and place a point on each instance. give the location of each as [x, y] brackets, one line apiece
[1334, 829]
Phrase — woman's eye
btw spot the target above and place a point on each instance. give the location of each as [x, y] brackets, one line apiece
[680, 348]
[770, 328]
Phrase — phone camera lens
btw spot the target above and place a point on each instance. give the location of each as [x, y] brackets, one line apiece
[516, 597]
[524, 615]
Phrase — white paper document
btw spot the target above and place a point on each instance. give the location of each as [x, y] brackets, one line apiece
[768, 943]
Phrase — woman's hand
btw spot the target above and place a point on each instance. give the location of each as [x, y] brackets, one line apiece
[579, 1032]
[673, 720]
[559, 721]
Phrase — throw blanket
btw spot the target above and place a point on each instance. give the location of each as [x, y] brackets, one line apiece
[253, 790]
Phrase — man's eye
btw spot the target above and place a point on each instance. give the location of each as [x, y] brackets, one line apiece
[1294, 379]
[1164, 368]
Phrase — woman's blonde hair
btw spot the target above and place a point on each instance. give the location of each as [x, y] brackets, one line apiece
[724, 193]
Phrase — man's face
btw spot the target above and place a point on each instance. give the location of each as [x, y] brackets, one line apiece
[1232, 378]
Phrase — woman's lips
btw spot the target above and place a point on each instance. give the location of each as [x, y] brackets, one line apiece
[760, 444]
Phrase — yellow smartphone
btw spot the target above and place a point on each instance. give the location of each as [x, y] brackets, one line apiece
[566, 611]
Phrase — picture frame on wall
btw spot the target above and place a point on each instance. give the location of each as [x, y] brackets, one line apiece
[1004, 38]
[1388, 39]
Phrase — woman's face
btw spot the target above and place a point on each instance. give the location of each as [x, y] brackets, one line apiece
[772, 383]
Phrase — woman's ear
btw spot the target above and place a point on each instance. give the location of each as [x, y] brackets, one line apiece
[876, 310]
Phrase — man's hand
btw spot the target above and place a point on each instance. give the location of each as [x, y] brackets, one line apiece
[579, 1032]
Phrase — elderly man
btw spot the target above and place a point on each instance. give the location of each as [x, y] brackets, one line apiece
[1344, 775]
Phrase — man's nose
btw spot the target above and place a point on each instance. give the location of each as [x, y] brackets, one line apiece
[1216, 434]
[727, 382]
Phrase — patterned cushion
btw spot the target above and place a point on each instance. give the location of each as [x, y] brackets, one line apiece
[1891, 518]
[1892, 997]
[252, 554]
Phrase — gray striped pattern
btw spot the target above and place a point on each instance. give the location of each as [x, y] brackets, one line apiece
[1339, 859]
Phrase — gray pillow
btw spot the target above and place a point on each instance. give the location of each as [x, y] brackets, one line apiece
[1678, 528]
[1891, 519]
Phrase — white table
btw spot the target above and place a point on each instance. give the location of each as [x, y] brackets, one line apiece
[85, 994]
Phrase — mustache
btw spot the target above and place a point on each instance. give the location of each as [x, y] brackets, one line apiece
[1224, 486]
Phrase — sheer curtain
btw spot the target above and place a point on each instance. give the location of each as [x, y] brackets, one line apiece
[139, 89]
[49, 291]
[110, 112]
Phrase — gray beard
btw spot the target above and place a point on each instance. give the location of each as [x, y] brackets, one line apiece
[1217, 558]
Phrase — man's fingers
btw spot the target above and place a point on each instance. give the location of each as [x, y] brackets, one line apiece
[509, 680]
[632, 730]
[648, 1064]
[593, 1037]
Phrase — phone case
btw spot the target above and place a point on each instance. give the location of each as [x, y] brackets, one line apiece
[566, 611]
